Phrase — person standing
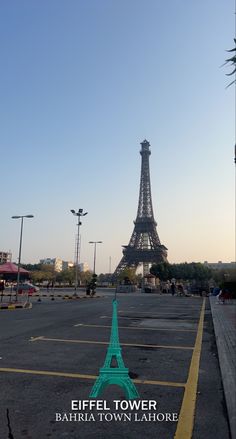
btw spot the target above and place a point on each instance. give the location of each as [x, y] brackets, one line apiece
[172, 289]
[180, 290]
[2, 287]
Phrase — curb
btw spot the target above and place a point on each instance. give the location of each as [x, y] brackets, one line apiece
[226, 352]
[12, 306]
[59, 295]
[28, 305]
[80, 297]
[70, 297]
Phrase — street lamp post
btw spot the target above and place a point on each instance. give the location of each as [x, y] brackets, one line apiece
[19, 257]
[78, 214]
[94, 257]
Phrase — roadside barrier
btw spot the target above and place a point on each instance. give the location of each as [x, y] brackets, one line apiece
[12, 306]
[52, 297]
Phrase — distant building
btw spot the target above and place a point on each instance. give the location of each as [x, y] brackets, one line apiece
[55, 262]
[60, 265]
[5, 257]
[83, 266]
[221, 265]
[67, 264]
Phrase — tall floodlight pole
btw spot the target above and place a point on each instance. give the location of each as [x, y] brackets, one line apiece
[94, 256]
[19, 257]
[78, 214]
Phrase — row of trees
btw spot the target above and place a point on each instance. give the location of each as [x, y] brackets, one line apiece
[42, 273]
[184, 271]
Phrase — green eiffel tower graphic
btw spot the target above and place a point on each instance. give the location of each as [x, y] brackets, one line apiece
[114, 370]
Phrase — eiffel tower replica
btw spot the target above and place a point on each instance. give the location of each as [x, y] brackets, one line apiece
[114, 370]
[144, 245]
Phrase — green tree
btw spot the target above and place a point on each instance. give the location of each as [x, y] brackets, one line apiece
[220, 276]
[31, 267]
[161, 270]
[201, 272]
[128, 274]
[66, 276]
[85, 277]
[183, 271]
[45, 273]
[38, 276]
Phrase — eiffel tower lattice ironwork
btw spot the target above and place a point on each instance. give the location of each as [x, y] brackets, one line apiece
[144, 245]
[114, 370]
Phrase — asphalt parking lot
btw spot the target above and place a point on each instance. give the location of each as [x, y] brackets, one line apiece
[51, 355]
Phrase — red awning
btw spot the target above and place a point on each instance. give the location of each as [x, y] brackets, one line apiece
[10, 268]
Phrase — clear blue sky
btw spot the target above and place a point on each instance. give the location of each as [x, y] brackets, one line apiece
[83, 82]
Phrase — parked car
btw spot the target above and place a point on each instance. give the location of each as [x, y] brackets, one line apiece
[26, 288]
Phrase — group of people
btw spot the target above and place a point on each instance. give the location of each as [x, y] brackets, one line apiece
[173, 288]
[223, 296]
[177, 289]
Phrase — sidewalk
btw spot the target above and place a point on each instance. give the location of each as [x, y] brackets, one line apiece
[224, 320]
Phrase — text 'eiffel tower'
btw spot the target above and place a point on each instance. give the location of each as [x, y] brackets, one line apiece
[114, 370]
[144, 245]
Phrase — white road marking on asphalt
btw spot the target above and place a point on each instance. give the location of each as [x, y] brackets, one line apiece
[160, 312]
[36, 338]
[135, 327]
